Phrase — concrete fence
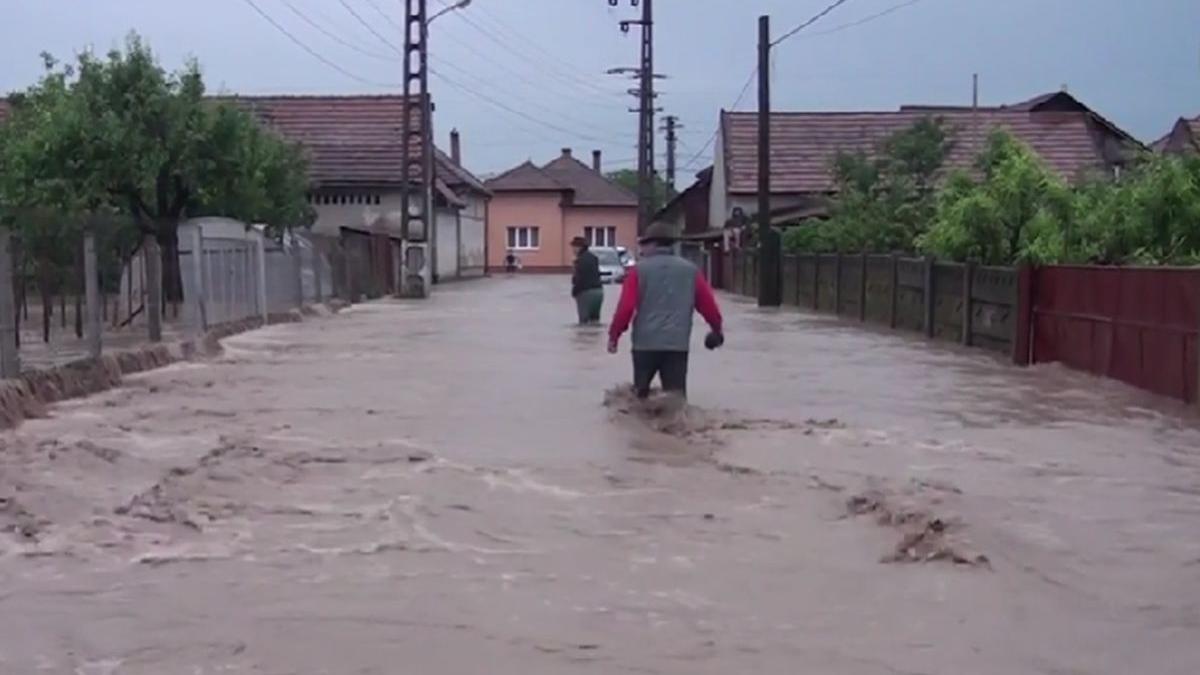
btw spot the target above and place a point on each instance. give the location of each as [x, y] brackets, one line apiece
[230, 274]
[966, 303]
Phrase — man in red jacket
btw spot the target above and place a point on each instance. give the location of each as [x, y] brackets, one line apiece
[659, 298]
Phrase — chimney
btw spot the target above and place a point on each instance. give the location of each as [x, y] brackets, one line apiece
[566, 152]
[596, 163]
[455, 147]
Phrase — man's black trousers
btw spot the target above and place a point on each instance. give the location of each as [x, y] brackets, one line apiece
[670, 367]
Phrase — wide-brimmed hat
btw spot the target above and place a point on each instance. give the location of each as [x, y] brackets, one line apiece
[659, 232]
[580, 242]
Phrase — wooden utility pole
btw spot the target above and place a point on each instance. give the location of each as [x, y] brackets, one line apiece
[769, 289]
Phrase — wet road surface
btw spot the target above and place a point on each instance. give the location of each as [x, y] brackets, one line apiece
[438, 488]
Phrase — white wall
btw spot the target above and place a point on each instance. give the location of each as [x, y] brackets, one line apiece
[447, 244]
[473, 228]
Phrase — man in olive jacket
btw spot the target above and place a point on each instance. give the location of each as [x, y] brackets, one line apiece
[586, 285]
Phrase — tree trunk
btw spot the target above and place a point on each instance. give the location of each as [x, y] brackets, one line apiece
[172, 277]
[154, 287]
[62, 305]
[79, 275]
[47, 313]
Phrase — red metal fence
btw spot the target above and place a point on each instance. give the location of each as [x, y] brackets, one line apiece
[1137, 325]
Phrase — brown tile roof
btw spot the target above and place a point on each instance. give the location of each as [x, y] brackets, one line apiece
[351, 140]
[1183, 137]
[805, 144]
[590, 187]
[525, 177]
[587, 187]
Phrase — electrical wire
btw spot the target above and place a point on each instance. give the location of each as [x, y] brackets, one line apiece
[314, 53]
[334, 36]
[713, 137]
[865, 20]
[815, 18]
[548, 62]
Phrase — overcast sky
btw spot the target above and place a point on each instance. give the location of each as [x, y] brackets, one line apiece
[1137, 63]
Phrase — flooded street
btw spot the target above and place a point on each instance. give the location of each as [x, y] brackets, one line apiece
[440, 488]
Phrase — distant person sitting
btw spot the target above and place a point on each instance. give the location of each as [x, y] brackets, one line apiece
[511, 262]
[586, 285]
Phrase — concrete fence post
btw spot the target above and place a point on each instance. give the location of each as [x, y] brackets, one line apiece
[816, 296]
[91, 285]
[10, 362]
[862, 289]
[317, 263]
[152, 264]
[260, 255]
[200, 301]
[837, 284]
[894, 312]
[968, 329]
[930, 297]
[297, 259]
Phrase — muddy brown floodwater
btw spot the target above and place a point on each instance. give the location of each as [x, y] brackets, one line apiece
[446, 488]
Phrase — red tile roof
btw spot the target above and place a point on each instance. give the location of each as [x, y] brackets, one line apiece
[586, 186]
[525, 177]
[351, 140]
[805, 144]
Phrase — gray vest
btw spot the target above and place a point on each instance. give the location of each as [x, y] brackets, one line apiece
[666, 303]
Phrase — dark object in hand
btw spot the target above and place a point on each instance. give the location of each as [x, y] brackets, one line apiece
[714, 341]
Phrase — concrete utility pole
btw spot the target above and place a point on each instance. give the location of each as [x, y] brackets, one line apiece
[770, 291]
[645, 111]
[417, 149]
[671, 127]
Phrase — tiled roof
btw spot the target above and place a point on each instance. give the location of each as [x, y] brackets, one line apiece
[526, 177]
[588, 187]
[350, 140]
[803, 145]
[591, 188]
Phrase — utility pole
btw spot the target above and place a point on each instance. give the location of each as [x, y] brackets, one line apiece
[769, 290]
[672, 126]
[417, 149]
[646, 96]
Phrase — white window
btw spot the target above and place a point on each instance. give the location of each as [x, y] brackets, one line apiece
[523, 238]
[603, 237]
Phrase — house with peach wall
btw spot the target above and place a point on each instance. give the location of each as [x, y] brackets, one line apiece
[536, 211]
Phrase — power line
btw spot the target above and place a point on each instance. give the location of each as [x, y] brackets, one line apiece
[467, 90]
[463, 71]
[868, 19]
[315, 54]
[548, 62]
[713, 138]
[334, 36]
[511, 110]
[815, 18]
[366, 24]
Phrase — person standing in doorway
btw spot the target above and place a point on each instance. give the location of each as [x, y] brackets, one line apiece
[658, 298]
[586, 286]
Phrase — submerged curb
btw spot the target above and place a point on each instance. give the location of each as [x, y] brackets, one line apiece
[27, 396]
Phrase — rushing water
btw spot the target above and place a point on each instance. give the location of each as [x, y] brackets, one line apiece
[440, 488]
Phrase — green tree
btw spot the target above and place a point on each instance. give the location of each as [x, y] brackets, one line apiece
[120, 131]
[628, 179]
[884, 201]
[1018, 209]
